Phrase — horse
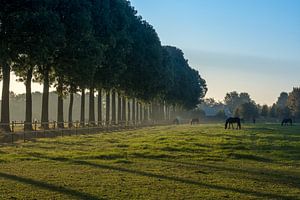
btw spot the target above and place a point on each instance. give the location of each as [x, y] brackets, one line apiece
[195, 121]
[233, 120]
[286, 122]
[176, 121]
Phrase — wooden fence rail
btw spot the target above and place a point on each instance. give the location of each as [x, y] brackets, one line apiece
[20, 132]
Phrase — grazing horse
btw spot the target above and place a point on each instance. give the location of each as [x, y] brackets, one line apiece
[195, 121]
[176, 121]
[286, 122]
[231, 121]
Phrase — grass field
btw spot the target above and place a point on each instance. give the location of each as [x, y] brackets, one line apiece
[171, 162]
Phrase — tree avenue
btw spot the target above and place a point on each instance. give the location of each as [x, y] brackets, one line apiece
[99, 46]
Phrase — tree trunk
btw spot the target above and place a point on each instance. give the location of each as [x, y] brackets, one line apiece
[45, 100]
[5, 98]
[142, 112]
[128, 112]
[107, 107]
[134, 110]
[154, 111]
[28, 108]
[71, 110]
[100, 106]
[124, 109]
[138, 112]
[119, 109]
[151, 111]
[113, 107]
[92, 107]
[146, 109]
[60, 105]
[82, 108]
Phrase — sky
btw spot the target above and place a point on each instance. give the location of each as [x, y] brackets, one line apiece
[237, 45]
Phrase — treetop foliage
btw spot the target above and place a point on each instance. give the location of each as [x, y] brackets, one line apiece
[95, 44]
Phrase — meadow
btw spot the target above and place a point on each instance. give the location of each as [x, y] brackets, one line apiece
[168, 162]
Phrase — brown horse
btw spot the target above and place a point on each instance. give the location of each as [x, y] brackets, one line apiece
[195, 121]
[286, 122]
[231, 121]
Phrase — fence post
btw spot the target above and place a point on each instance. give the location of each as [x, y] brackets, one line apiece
[62, 130]
[35, 125]
[76, 124]
[24, 133]
[13, 126]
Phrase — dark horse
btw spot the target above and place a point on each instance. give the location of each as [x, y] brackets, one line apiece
[231, 121]
[195, 121]
[287, 121]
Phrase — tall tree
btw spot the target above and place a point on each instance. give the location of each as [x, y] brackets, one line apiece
[6, 31]
[293, 102]
[24, 67]
[265, 111]
[248, 111]
[233, 100]
[273, 111]
[281, 105]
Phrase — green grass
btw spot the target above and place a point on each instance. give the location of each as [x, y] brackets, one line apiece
[172, 162]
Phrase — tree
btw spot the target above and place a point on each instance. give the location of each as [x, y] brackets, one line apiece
[6, 16]
[47, 41]
[186, 88]
[273, 111]
[282, 100]
[248, 110]
[31, 30]
[24, 67]
[293, 102]
[281, 105]
[81, 54]
[91, 44]
[233, 100]
[265, 111]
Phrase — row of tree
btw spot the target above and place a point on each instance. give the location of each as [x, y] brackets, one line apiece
[287, 105]
[241, 105]
[90, 44]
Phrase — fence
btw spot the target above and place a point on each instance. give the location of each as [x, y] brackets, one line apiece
[22, 131]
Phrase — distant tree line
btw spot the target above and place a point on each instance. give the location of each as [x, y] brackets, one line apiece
[98, 45]
[241, 105]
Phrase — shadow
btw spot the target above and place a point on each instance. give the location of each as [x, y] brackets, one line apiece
[268, 176]
[259, 129]
[250, 157]
[182, 149]
[49, 186]
[64, 143]
[169, 178]
[153, 156]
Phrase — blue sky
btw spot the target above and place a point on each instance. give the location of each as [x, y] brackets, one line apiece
[243, 45]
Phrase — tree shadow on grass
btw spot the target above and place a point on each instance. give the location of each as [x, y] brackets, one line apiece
[275, 176]
[169, 178]
[240, 156]
[48, 186]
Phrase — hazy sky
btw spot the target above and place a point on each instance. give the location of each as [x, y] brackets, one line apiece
[243, 45]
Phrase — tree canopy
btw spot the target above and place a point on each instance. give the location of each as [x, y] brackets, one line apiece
[91, 44]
